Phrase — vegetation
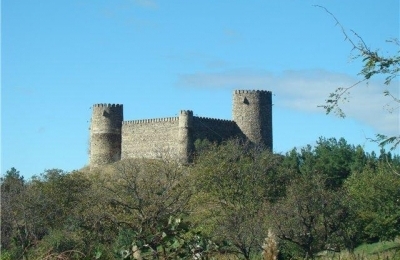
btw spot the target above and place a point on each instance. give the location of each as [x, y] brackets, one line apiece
[236, 201]
[375, 64]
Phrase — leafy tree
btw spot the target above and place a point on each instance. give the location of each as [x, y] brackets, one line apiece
[201, 145]
[374, 196]
[11, 183]
[360, 159]
[330, 157]
[40, 207]
[334, 159]
[291, 161]
[59, 200]
[233, 182]
[58, 194]
[12, 187]
[309, 215]
[19, 234]
[141, 196]
[374, 64]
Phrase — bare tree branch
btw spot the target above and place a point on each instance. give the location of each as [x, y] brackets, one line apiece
[374, 64]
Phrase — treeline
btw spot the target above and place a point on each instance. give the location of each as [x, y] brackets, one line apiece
[234, 200]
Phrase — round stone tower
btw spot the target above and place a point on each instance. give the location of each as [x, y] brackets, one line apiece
[105, 134]
[252, 112]
[185, 142]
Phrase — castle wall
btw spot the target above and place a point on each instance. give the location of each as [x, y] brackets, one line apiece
[213, 129]
[154, 138]
[150, 138]
[113, 139]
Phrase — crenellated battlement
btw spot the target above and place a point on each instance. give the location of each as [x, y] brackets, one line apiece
[186, 112]
[113, 139]
[153, 120]
[107, 105]
[252, 91]
[218, 120]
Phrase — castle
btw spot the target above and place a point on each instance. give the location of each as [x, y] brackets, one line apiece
[113, 139]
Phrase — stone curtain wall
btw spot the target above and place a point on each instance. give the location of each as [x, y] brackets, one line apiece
[155, 138]
[150, 138]
[215, 130]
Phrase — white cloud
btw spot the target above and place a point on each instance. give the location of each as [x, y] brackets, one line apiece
[305, 90]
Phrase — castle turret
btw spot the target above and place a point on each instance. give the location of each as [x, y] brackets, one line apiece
[252, 112]
[185, 142]
[105, 134]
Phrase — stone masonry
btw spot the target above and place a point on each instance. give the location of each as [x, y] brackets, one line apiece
[113, 139]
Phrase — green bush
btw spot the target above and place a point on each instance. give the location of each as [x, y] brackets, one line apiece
[5, 255]
[60, 243]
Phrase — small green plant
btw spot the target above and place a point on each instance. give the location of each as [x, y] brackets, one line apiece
[5, 255]
[60, 244]
[170, 240]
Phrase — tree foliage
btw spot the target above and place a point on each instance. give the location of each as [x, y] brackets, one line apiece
[12, 187]
[374, 64]
[142, 193]
[374, 195]
[335, 159]
[329, 196]
[233, 183]
[43, 204]
[309, 215]
[142, 201]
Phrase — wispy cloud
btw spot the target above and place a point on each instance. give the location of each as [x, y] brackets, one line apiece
[305, 90]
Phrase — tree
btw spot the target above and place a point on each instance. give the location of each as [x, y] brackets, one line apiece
[142, 197]
[374, 63]
[330, 157]
[309, 215]
[59, 193]
[374, 195]
[41, 209]
[333, 158]
[12, 187]
[233, 182]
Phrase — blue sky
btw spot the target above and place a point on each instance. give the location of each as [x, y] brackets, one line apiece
[158, 57]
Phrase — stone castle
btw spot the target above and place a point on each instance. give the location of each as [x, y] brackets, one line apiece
[113, 139]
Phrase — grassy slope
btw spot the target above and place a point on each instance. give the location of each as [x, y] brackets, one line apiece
[381, 250]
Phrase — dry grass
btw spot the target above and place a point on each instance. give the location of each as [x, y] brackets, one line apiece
[270, 247]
